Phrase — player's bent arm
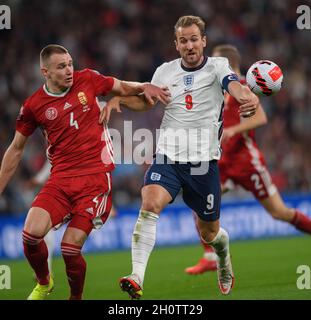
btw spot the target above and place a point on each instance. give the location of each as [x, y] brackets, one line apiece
[135, 103]
[150, 91]
[127, 88]
[11, 159]
[248, 100]
[258, 120]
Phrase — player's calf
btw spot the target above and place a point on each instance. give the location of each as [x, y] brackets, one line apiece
[75, 269]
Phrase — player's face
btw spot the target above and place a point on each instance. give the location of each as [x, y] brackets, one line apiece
[59, 71]
[190, 45]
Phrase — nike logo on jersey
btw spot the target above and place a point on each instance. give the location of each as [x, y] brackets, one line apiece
[67, 105]
[208, 213]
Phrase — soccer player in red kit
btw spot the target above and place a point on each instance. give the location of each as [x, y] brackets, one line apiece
[242, 163]
[66, 109]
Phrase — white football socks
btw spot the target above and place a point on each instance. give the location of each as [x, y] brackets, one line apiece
[221, 246]
[143, 241]
[211, 256]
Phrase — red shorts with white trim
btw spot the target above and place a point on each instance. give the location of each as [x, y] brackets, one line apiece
[249, 172]
[84, 200]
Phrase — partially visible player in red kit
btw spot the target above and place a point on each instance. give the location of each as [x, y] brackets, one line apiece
[242, 163]
[66, 109]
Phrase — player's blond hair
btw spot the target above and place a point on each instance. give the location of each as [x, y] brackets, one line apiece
[188, 21]
[50, 49]
[231, 53]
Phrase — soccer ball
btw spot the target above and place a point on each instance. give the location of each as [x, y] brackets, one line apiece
[264, 78]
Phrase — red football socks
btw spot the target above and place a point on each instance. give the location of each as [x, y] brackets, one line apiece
[36, 253]
[75, 269]
[302, 222]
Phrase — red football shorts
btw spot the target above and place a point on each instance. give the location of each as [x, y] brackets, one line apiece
[84, 200]
[248, 171]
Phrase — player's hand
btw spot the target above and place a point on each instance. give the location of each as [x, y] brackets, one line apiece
[227, 134]
[153, 93]
[112, 104]
[249, 103]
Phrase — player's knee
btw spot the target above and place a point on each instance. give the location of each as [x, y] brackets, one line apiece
[151, 205]
[36, 229]
[208, 233]
[38, 222]
[73, 239]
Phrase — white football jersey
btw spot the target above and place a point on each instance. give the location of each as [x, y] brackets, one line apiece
[192, 123]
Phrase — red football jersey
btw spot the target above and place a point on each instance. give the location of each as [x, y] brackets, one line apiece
[77, 144]
[239, 144]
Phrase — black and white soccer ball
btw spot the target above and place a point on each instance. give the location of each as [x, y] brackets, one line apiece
[264, 78]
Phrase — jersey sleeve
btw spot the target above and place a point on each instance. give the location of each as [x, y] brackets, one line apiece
[224, 73]
[156, 78]
[26, 123]
[102, 84]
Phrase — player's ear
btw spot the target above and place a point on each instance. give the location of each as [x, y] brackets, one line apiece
[44, 71]
[176, 45]
[204, 40]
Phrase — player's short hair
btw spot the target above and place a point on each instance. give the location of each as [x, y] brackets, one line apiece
[50, 49]
[231, 53]
[187, 21]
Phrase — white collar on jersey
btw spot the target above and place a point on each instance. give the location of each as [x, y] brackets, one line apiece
[55, 94]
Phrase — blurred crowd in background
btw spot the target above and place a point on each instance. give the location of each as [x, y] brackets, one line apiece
[129, 39]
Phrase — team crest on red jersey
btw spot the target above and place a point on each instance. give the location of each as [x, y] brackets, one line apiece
[51, 113]
[82, 98]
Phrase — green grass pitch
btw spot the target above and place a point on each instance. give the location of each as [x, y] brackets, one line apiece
[264, 269]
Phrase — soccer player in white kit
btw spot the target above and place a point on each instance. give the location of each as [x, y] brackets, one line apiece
[188, 148]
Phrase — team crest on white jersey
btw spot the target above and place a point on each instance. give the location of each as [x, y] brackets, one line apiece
[155, 176]
[51, 113]
[189, 80]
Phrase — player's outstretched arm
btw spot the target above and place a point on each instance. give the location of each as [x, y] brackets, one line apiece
[150, 91]
[248, 100]
[11, 159]
[259, 119]
[135, 103]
